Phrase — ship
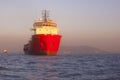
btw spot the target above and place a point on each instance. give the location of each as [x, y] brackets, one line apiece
[46, 39]
[5, 51]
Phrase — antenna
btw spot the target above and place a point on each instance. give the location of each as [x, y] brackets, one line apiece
[45, 15]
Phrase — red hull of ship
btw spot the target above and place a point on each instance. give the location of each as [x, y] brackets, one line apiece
[44, 45]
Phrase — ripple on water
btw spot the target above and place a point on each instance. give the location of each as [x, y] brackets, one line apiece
[62, 67]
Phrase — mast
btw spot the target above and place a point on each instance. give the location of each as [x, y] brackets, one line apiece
[45, 15]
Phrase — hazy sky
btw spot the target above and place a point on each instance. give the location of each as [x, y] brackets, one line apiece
[94, 23]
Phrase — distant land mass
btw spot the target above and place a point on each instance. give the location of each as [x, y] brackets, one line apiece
[81, 50]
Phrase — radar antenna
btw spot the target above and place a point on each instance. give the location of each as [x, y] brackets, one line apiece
[45, 15]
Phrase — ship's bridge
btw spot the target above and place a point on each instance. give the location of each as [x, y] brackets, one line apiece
[48, 23]
[45, 27]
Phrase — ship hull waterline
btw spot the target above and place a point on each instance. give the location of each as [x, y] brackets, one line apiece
[42, 53]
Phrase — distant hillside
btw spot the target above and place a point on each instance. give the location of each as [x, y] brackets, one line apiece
[81, 49]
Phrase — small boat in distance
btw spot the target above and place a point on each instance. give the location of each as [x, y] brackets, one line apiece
[5, 51]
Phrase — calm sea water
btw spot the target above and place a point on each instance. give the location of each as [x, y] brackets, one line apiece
[61, 67]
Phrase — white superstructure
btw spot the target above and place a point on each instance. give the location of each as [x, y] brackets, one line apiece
[48, 27]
